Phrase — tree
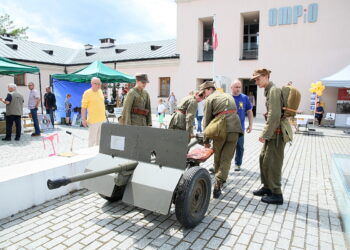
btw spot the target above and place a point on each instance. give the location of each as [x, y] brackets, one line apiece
[7, 27]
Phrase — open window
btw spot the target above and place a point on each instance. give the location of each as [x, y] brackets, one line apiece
[250, 35]
[205, 49]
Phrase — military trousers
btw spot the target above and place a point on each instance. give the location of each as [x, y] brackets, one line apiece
[224, 152]
[271, 161]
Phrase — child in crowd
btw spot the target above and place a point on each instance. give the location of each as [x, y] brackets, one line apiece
[68, 109]
[161, 112]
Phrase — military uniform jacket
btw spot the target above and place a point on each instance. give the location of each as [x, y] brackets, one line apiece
[184, 120]
[218, 102]
[136, 99]
[274, 119]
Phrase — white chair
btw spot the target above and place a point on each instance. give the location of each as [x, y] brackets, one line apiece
[330, 119]
[347, 123]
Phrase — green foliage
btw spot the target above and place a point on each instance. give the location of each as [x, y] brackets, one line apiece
[7, 27]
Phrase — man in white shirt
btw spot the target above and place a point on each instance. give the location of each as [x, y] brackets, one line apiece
[33, 104]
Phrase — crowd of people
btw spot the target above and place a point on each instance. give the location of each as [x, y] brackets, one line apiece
[205, 104]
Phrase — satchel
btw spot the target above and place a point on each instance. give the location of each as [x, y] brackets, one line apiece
[216, 129]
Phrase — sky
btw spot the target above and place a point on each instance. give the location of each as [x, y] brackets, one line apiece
[73, 23]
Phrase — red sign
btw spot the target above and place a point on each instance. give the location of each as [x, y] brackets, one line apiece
[343, 94]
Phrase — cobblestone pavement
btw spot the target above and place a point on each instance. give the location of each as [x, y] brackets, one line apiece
[308, 219]
[32, 148]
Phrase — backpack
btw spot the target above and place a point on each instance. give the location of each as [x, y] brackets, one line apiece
[291, 101]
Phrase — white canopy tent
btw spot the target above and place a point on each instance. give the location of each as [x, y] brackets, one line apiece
[340, 79]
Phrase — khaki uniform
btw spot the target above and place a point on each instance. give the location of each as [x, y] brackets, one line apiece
[224, 149]
[136, 99]
[277, 133]
[183, 118]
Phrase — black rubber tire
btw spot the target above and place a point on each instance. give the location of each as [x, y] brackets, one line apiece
[117, 194]
[192, 196]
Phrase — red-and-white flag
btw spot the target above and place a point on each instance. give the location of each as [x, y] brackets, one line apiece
[215, 37]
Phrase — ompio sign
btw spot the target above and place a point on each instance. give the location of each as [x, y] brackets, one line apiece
[289, 15]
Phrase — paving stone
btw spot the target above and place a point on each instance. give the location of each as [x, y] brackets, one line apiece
[237, 220]
[298, 242]
[254, 246]
[160, 240]
[50, 244]
[214, 243]
[77, 237]
[37, 243]
[183, 245]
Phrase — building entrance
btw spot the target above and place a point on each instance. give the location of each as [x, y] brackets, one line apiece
[249, 88]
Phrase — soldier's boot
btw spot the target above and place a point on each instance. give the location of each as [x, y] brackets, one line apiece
[262, 191]
[276, 199]
[217, 189]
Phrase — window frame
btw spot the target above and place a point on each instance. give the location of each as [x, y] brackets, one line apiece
[23, 79]
[164, 91]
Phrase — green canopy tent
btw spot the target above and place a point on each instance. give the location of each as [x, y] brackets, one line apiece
[12, 68]
[76, 83]
[96, 69]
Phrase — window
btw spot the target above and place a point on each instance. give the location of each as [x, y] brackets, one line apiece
[164, 86]
[20, 80]
[205, 49]
[250, 46]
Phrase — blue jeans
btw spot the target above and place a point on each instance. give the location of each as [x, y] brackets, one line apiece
[199, 121]
[34, 113]
[239, 151]
[49, 111]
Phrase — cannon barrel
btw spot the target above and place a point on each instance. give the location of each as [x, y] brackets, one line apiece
[128, 166]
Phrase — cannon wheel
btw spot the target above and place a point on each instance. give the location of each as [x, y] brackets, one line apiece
[192, 196]
[117, 194]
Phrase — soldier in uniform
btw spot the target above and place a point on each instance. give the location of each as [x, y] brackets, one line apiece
[185, 113]
[276, 134]
[137, 105]
[216, 104]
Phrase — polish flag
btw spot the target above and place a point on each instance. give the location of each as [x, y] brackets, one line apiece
[214, 37]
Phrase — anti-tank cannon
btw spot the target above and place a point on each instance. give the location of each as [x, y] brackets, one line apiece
[148, 168]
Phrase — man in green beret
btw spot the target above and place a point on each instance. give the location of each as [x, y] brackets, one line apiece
[277, 132]
[221, 104]
[137, 104]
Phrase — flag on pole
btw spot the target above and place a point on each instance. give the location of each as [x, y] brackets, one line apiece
[214, 36]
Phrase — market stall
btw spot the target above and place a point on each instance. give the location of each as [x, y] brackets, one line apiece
[341, 80]
[12, 68]
[79, 81]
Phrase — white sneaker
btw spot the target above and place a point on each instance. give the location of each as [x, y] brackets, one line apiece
[237, 168]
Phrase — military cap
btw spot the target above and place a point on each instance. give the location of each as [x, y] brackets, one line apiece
[260, 72]
[142, 77]
[206, 85]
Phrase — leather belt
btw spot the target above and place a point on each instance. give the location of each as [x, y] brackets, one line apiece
[230, 111]
[181, 111]
[138, 111]
[278, 131]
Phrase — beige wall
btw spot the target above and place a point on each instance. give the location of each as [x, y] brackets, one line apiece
[302, 53]
[155, 70]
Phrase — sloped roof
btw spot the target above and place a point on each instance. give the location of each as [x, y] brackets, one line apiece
[46, 53]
